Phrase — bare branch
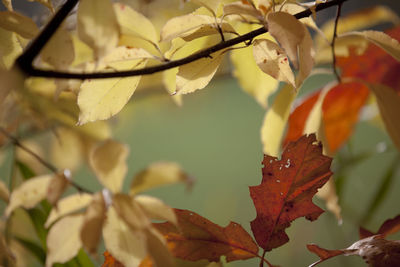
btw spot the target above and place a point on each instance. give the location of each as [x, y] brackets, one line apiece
[339, 9]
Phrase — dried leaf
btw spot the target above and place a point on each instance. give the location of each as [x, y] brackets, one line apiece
[108, 161]
[67, 206]
[63, 240]
[4, 192]
[196, 236]
[239, 8]
[93, 221]
[275, 121]
[156, 209]
[286, 190]
[158, 174]
[390, 226]
[157, 248]
[288, 31]
[306, 57]
[18, 23]
[29, 193]
[131, 212]
[127, 245]
[272, 60]
[61, 40]
[98, 26]
[56, 188]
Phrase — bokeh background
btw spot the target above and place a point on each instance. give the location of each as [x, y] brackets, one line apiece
[215, 136]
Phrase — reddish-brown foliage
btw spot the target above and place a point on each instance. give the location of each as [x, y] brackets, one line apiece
[287, 189]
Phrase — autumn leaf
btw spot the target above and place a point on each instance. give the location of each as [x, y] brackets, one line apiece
[4, 192]
[390, 226]
[18, 23]
[286, 190]
[110, 261]
[197, 238]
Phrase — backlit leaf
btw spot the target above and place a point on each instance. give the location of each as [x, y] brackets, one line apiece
[67, 206]
[129, 210]
[273, 60]
[63, 240]
[51, 51]
[18, 23]
[108, 161]
[159, 174]
[287, 189]
[29, 193]
[197, 238]
[156, 209]
[275, 120]
[98, 26]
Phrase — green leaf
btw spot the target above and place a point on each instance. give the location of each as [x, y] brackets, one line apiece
[34, 248]
[38, 218]
[26, 172]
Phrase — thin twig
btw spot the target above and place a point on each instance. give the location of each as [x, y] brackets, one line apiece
[48, 165]
[25, 61]
[339, 10]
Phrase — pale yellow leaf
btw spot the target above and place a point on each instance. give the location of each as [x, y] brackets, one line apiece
[251, 78]
[4, 192]
[169, 81]
[288, 31]
[211, 5]
[157, 247]
[293, 9]
[10, 48]
[51, 53]
[306, 57]
[68, 205]
[158, 174]
[7, 4]
[135, 24]
[196, 75]
[272, 60]
[193, 26]
[156, 209]
[275, 121]
[98, 26]
[238, 8]
[63, 240]
[389, 107]
[93, 221]
[131, 212]
[18, 23]
[108, 161]
[66, 149]
[98, 130]
[381, 39]
[126, 245]
[27, 158]
[103, 98]
[56, 188]
[29, 193]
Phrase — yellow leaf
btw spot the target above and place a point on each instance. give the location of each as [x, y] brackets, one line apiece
[18, 23]
[98, 130]
[157, 247]
[158, 174]
[288, 31]
[238, 8]
[156, 209]
[93, 223]
[389, 108]
[63, 240]
[60, 41]
[29, 193]
[306, 57]
[46, 3]
[211, 5]
[169, 81]
[251, 78]
[381, 39]
[294, 9]
[126, 245]
[8, 4]
[130, 212]
[275, 121]
[67, 206]
[192, 26]
[198, 74]
[56, 188]
[10, 48]
[272, 60]
[133, 23]
[66, 149]
[4, 192]
[101, 99]
[98, 26]
[108, 161]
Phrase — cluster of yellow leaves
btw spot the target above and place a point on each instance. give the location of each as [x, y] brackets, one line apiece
[123, 220]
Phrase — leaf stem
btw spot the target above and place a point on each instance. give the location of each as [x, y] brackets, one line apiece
[48, 165]
[339, 10]
[25, 61]
[263, 259]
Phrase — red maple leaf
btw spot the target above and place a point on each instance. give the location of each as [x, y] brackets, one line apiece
[198, 238]
[286, 191]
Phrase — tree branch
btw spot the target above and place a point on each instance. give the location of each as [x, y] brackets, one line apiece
[25, 61]
[339, 9]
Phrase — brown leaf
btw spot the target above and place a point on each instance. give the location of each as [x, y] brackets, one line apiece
[57, 187]
[389, 227]
[286, 190]
[198, 238]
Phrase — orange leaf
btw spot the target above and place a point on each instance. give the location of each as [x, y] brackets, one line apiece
[198, 238]
[110, 261]
[287, 189]
[340, 111]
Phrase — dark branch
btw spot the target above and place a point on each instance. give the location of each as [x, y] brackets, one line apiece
[26, 59]
[339, 9]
